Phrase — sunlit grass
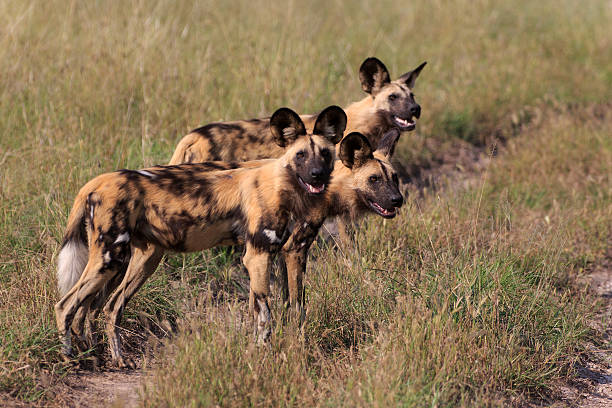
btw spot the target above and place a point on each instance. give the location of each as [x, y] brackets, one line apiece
[461, 300]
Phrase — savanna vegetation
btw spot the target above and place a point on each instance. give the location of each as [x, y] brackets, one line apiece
[467, 298]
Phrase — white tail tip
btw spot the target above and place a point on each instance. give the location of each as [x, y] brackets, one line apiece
[71, 262]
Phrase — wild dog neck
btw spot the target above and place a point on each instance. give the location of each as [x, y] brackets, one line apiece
[343, 195]
[364, 118]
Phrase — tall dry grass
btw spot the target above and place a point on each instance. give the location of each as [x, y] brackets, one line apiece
[92, 87]
[462, 301]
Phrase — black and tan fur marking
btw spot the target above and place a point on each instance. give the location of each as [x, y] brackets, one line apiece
[124, 221]
[363, 181]
[389, 104]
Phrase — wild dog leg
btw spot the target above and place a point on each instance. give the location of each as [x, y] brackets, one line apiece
[142, 264]
[257, 262]
[296, 267]
[283, 279]
[94, 277]
[295, 255]
[83, 324]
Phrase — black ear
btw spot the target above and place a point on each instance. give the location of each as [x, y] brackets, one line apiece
[373, 75]
[386, 145]
[409, 78]
[331, 124]
[286, 126]
[355, 150]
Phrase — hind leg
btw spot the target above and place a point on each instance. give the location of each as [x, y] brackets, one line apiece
[95, 275]
[142, 265]
[84, 323]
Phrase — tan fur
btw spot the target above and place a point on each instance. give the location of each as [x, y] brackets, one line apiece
[132, 217]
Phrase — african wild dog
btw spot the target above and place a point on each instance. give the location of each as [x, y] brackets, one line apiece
[390, 104]
[123, 222]
[362, 181]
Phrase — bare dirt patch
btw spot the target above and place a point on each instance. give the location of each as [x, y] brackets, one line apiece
[593, 386]
[101, 389]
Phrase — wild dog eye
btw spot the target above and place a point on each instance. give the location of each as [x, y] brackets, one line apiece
[300, 155]
[392, 97]
[395, 180]
[374, 179]
[326, 154]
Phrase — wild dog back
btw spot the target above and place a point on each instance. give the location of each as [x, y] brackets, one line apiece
[389, 104]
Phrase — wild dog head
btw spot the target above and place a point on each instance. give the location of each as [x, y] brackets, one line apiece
[309, 157]
[374, 178]
[393, 100]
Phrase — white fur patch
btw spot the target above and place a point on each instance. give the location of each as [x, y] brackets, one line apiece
[289, 132]
[330, 131]
[263, 322]
[107, 257]
[271, 234]
[71, 262]
[125, 237]
[145, 173]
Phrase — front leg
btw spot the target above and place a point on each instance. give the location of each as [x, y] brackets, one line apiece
[295, 256]
[295, 262]
[256, 261]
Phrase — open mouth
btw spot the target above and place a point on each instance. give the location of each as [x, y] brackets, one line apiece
[311, 188]
[381, 211]
[404, 124]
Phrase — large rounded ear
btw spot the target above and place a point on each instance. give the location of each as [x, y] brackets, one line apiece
[286, 126]
[409, 78]
[386, 145]
[373, 75]
[331, 124]
[355, 150]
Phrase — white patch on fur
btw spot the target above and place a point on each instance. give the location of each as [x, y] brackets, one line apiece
[146, 173]
[289, 132]
[71, 262]
[125, 237]
[330, 131]
[263, 322]
[305, 225]
[271, 234]
[91, 213]
[107, 257]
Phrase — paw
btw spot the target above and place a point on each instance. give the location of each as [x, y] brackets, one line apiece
[125, 363]
[91, 363]
[67, 352]
[263, 336]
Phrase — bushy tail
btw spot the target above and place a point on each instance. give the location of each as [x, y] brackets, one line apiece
[73, 256]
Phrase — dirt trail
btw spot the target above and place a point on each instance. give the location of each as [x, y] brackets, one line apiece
[597, 373]
[102, 389]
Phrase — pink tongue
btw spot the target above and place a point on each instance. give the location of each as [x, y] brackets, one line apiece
[382, 210]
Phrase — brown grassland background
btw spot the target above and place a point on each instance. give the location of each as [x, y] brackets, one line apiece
[467, 298]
